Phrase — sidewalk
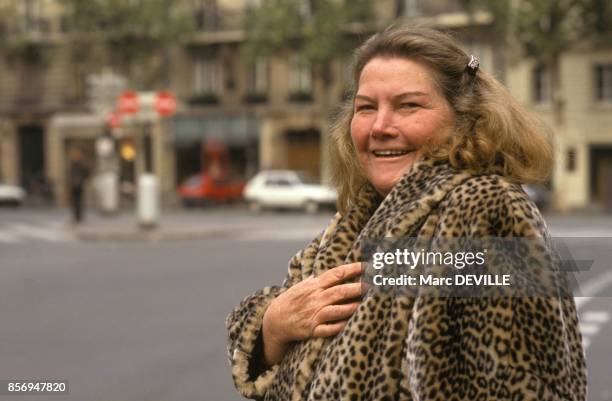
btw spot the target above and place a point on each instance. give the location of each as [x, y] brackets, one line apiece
[173, 224]
[186, 224]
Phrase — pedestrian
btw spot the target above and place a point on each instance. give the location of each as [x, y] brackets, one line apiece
[78, 173]
[433, 147]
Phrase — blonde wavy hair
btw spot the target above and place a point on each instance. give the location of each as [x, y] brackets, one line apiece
[493, 132]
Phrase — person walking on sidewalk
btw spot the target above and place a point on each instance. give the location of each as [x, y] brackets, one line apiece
[78, 174]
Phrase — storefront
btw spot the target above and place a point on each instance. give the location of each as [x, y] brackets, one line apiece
[238, 134]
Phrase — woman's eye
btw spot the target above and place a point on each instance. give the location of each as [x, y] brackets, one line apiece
[362, 107]
[409, 105]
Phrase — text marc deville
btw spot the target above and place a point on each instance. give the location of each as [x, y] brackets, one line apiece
[457, 280]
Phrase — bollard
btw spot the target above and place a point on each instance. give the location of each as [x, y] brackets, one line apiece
[148, 201]
[108, 192]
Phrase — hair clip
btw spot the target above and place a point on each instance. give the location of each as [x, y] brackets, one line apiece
[473, 64]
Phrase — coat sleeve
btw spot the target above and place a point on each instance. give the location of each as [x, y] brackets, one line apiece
[245, 346]
[496, 348]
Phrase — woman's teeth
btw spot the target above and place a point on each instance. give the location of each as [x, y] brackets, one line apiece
[390, 153]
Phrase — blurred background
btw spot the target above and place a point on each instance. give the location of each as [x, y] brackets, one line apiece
[162, 159]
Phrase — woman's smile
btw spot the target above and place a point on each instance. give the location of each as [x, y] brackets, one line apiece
[391, 153]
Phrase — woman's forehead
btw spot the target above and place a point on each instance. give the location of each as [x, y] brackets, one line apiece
[395, 73]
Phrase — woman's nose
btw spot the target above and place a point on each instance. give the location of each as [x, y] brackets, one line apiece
[383, 124]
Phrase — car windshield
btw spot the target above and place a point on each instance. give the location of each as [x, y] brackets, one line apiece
[194, 181]
[306, 178]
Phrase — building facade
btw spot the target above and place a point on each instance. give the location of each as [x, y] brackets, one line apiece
[286, 105]
[583, 131]
[269, 113]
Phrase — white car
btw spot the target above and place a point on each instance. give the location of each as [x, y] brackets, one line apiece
[11, 195]
[287, 189]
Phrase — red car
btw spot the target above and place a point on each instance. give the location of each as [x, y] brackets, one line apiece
[203, 189]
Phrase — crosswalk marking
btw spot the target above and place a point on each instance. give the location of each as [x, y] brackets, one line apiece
[14, 233]
[589, 329]
[591, 323]
[8, 238]
[596, 316]
[37, 232]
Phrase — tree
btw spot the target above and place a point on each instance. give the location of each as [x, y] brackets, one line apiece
[544, 29]
[136, 33]
[320, 30]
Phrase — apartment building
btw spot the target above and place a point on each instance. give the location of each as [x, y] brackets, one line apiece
[269, 113]
[583, 130]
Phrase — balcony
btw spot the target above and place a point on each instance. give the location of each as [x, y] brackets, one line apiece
[218, 27]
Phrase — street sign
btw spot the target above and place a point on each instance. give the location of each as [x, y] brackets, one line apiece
[165, 103]
[128, 102]
[113, 119]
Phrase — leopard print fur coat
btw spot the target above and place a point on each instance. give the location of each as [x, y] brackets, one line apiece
[399, 348]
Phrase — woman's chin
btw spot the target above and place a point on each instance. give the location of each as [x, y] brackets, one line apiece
[384, 185]
[387, 178]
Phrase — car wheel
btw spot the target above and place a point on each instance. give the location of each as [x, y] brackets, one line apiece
[255, 206]
[311, 207]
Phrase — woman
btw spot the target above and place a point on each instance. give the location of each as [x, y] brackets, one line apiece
[430, 147]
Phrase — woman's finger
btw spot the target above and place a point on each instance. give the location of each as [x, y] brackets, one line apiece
[336, 312]
[339, 274]
[342, 292]
[329, 329]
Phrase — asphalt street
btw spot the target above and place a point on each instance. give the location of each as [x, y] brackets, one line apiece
[144, 320]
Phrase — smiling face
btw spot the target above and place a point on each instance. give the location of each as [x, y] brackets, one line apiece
[397, 109]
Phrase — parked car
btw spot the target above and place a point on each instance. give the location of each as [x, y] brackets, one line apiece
[287, 189]
[202, 189]
[539, 194]
[11, 195]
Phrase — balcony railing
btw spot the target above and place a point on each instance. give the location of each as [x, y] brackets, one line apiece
[214, 21]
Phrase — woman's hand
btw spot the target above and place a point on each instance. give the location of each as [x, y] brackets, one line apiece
[316, 307]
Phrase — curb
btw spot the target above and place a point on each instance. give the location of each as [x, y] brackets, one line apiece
[149, 235]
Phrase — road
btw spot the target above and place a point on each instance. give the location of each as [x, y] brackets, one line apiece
[145, 320]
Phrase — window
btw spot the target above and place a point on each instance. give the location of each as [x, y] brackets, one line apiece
[253, 4]
[207, 76]
[206, 15]
[570, 160]
[31, 12]
[408, 8]
[278, 182]
[305, 9]
[542, 85]
[300, 77]
[258, 77]
[603, 82]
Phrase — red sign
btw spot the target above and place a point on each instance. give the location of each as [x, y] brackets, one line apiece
[114, 119]
[165, 103]
[128, 102]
